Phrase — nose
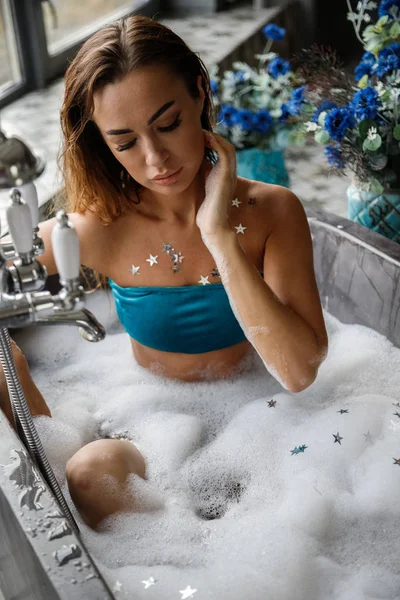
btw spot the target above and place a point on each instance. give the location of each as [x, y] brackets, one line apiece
[155, 154]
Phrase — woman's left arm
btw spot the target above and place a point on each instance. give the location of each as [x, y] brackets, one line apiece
[281, 315]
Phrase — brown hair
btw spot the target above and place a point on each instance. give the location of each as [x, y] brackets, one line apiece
[94, 180]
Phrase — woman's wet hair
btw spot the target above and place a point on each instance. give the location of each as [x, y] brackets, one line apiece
[94, 180]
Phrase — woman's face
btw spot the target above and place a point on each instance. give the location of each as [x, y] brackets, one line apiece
[152, 125]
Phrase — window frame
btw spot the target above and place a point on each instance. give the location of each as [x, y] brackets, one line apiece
[39, 67]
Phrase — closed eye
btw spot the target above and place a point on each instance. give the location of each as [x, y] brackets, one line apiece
[171, 127]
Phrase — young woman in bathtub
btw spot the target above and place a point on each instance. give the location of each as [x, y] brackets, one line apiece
[204, 266]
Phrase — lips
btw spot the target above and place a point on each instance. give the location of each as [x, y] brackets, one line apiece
[161, 177]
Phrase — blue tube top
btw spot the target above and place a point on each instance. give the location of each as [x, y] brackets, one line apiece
[189, 319]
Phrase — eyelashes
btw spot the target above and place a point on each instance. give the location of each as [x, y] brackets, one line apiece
[171, 127]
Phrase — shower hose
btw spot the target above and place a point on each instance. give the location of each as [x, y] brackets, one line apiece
[25, 425]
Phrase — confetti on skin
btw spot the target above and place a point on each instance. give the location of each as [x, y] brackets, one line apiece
[252, 201]
[215, 272]
[177, 257]
[240, 228]
[343, 411]
[236, 202]
[368, 437]
[272, 403]
[149, 583]
[152, 260]
[337, 438]
[176, 269]
[134, 270]
[168, 248]
[117, 586]
[203, 280]
[396, 461]
[187, 593]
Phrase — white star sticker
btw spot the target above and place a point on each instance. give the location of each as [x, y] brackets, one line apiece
[240, 228]
[236, 202]
[187, 593]
[203, 280]
[117, 586]
[152, 260]
[134, 270]
[149, 582]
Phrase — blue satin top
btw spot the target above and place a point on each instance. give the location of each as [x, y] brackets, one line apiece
[190, 319]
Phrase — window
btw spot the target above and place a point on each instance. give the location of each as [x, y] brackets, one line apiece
[38, 38]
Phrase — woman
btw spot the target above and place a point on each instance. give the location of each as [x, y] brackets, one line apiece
[161, 218]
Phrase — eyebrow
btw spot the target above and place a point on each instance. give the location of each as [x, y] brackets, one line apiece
[157, 114]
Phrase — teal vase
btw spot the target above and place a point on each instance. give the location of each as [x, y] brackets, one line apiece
[380, 212]
[261, 165]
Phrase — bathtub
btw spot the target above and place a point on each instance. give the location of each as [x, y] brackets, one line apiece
[358, 273]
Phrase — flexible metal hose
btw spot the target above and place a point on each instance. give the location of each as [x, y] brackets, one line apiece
[24, 422]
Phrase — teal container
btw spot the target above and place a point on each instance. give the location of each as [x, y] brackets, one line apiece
[260, 165]
[380, 212]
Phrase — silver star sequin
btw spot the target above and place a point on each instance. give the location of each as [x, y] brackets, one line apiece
[252, 201]
[117, 586]
[337, 438]
[272, 403]
[343, 411]
[167, 248]
[394, 426]
[236, 202]
[149, 583]
[396, 461]
[187, 593]
[203, 280]
[134, 270]
[177, 257]
[240, 228]
[215, 273]
[368, 437]
[152, 260]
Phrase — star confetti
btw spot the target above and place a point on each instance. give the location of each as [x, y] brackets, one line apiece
[236, 202]
[177, 257]
[149, 583]
[117, 586]
[167, 248]
[299, 449]
[134, 270]
[396, 461]
[152, 260]
[337, 438]
[187, 593]
[240, 228]
[342, 411]
[368, 437]
[215, 272]
[252, 201]
[176, 268]
[203, 280]
[272, 403]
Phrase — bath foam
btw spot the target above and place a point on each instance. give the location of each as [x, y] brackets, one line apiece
[227, 507]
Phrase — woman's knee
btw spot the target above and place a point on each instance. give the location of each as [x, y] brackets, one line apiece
[97, 474]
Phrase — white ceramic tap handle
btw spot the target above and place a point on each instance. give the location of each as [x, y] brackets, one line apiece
[20, 223]
[65, 244]
[29, 194]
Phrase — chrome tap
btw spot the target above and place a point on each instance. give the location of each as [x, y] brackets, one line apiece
[22, 299]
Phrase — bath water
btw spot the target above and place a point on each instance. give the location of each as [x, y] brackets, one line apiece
[244, 498]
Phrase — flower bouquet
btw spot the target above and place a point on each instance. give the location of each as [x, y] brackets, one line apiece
[357, 118]
[259, 111]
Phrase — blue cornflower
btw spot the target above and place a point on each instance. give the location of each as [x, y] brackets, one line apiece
[244, 118]
[296, 99]
[385, 8]
[386, 64]
[334, 157]
[274, 32]
[325, 105]
[226, 114]
[278, 66]
[337, 121]
[365, 104]
[285, 113]
[263, 121]
[239, 76]
[214, 86]
[365, 66]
